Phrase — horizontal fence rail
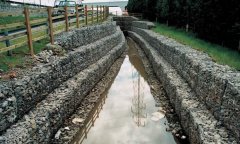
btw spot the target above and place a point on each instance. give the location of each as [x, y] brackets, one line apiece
[41, 23]
[138, 15]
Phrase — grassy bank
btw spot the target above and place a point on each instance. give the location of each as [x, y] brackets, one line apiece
[218, 53]
[19, 59]
[15, 19]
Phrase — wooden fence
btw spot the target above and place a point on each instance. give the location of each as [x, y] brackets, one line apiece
[137, 15]
[52, 21]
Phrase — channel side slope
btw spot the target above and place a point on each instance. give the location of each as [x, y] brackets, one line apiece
[70, 77]
[19, 95]
[214, 86]
[199, 124]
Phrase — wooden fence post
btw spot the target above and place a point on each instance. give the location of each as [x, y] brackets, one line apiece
[103, 13]
[100, 13]
[239, 45]
[29, 31]
[7, 42]
[50, 24]
[77, 16]
[187, 27]
[106, 11]
[92, 14]
[86, 15]
[97, 13]
[66, 18]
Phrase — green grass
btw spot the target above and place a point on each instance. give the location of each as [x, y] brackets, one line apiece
[219, 54]
[18, 58]
[35, 34]
[15, 19]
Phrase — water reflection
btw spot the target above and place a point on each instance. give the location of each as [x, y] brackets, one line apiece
[129, 97]
[138, 108]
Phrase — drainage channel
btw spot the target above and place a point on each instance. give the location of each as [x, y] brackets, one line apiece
[128, 113]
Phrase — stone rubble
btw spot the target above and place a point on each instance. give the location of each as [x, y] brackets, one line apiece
[197, 121]
[35, 105]
[162, 99]
[88, 105]
[58, 105]
[51, 71]
[193, 81]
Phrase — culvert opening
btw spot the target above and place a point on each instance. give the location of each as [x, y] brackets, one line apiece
[134, 109]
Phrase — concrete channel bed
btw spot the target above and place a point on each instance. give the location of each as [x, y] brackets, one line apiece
[35, 106]
[206, 95]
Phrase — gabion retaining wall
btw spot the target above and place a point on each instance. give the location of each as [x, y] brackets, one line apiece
[214, 86]
[125, 22]
[198, 123]
[20, 95]
[142, 24]
[217, 86]
[86, 35]
[42, 123]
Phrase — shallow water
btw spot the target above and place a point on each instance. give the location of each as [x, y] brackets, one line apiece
[126, 116]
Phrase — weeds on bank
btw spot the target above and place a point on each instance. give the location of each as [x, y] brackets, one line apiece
[221, 55]
[18, 59]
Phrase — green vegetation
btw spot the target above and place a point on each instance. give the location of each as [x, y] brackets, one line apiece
[218, 53]
[15, 19]
[18, 59]
[217, 21]
[35, 34]
[136, 6]
[11, 19]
